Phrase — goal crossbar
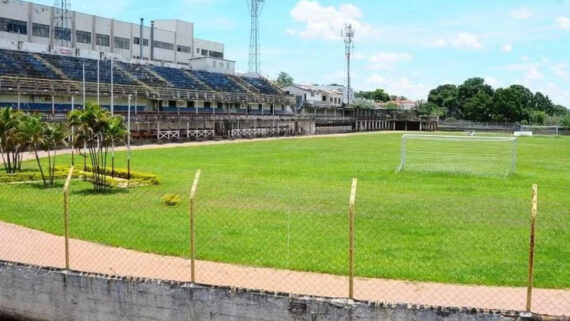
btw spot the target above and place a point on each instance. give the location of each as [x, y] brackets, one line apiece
[472, 155]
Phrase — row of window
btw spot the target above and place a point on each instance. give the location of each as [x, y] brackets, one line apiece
[42, 30]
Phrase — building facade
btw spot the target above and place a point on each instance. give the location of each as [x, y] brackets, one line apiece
[38, 28]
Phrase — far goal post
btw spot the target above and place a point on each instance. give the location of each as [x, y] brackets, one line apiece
[541, 130]
[468, 155]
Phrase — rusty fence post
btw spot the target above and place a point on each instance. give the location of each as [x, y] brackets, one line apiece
[193, 228]
[66, 215]
[534, 212]
[351, 239]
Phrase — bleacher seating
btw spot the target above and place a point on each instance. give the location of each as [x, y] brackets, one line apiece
[14, 63]
[143, 74]
[25, 64]
[262, 84]
[72, 67]
[218, 81]
[178, 78]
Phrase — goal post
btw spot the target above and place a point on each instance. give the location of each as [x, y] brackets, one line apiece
[467, 155]
[541, 130]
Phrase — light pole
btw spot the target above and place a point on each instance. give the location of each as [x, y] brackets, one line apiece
[112, 93]
[129, 139]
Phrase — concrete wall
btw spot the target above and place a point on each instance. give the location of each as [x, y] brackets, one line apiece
[33, 293]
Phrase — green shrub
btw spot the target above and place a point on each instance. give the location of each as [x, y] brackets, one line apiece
[171, 199]
[32, 176]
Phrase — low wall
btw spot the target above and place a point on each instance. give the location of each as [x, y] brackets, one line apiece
[35, 293]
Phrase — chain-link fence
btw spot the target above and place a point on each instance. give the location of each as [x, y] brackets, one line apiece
[429, 243]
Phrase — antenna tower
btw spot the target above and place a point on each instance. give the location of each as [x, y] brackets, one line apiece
[348, 36]
[62, 22]
[255, 8]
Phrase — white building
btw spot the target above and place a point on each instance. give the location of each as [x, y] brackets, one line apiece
[38, 28]
[315, 96]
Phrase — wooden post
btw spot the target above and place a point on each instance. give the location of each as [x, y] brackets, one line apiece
[66, 215]
[534, 212]
[351, 239]
[193, 228]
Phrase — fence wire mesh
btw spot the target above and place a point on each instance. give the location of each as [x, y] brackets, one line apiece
[424, 244]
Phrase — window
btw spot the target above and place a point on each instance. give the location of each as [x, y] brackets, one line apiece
[13, 26]
[216, 54]
[40, 30]
[207, 104]
[62, 34]
[204, 52]
[185, 49]
[198, 50]
[83, 36]
[163, 45]
[102, 40]
[137, 41]
[122, 43]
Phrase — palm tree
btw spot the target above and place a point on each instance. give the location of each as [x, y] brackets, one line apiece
[54, 136]
[33, 128]
[12, 143]
[117, 133]
[93, 131]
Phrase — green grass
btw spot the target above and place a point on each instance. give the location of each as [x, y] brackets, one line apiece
[284, 204]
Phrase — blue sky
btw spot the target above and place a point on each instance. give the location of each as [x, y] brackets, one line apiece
[406, 47]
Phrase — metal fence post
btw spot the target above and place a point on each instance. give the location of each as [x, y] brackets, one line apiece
[66, 215]
[531, 250]
[193, 229]
[351, 239]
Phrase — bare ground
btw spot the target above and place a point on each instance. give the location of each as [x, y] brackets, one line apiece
[19, 244]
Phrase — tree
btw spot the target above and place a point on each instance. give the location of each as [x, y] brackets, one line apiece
[479, 107]
[543, 103]
[512, 104]
[93, 132]
[117, 133]
[12, 142]
[363, 103]
[391, 105]
[284, 79]
[378, 95]
[538, 117]
[566, 121]
[430, 109]
[445, 96]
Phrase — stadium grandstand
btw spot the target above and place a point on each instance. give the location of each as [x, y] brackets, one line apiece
[53, 60]
[43, 65]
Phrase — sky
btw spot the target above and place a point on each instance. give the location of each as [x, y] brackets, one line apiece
[406, 47]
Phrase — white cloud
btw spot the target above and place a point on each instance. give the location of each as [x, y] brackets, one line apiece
[440, 42]
[521, 13]
[531, 72]
[388, 60]
[327, 22]
[398, 86]
[492, 81]
[563, 23]
[560, 71]
[524, 58]
[507, 48]
[467, 41]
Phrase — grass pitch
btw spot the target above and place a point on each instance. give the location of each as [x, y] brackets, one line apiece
[284, 204]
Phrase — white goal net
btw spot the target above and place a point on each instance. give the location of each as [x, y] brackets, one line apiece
[541, 130]
[468, 155]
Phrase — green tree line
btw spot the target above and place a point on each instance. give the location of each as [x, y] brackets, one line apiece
[477, 101]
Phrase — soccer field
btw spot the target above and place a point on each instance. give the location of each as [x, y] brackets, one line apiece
[284, 204]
